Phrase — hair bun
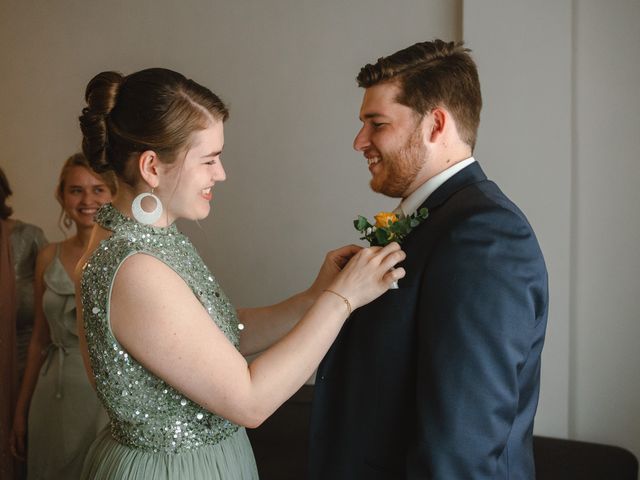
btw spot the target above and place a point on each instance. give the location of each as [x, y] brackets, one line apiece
[100, 95]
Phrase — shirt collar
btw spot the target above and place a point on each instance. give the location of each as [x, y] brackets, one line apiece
[409, 205]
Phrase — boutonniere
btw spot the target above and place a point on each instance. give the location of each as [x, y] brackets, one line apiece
[388, 227]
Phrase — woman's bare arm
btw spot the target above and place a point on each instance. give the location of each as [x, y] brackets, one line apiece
[264, 326]
[155, 316]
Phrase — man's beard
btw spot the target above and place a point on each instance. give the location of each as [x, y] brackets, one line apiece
[400, 168]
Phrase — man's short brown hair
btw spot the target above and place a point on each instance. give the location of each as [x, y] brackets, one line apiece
[432, 74]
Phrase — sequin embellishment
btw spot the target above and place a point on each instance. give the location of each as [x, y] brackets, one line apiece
[145, 412]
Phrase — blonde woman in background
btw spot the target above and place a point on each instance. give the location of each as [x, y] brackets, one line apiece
[56, 405]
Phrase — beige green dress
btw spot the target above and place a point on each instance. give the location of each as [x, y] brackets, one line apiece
[65, 415]
[156, 431]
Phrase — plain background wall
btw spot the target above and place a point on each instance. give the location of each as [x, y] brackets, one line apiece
[558, 133]
[606, 324]
[287, 69]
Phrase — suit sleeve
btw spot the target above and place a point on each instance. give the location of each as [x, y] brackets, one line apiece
[476, 313]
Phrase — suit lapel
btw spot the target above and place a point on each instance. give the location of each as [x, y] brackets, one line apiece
[467, 176]
[417, 244]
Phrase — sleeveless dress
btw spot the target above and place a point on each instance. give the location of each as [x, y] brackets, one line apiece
[65, 414]
[156, 432]
[26, 241]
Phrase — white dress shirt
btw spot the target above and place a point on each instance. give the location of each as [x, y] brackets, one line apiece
[410, 205]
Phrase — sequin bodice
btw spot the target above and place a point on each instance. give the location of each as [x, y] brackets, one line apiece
[145, 412]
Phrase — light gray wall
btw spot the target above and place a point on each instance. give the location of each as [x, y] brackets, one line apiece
[287, 69]
[606, 353]
[560, 140]
[560, 133]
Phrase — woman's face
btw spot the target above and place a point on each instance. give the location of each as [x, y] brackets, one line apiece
[84, 192]
[187, 189]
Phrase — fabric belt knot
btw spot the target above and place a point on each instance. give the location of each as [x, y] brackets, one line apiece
[62, 352]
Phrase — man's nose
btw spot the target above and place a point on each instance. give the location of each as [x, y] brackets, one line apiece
[361, 141]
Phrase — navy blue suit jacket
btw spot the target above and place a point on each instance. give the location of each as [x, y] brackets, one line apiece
[440, 378]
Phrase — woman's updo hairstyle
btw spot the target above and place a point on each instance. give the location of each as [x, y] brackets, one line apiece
[154, 109]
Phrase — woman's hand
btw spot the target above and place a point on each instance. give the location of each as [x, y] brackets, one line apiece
[369, 274]
[333, 264]
[18, 436]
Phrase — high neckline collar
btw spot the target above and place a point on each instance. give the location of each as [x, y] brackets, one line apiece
[112, 219]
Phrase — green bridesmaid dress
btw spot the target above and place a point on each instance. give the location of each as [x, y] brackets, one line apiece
[65, 414]
[155, 432]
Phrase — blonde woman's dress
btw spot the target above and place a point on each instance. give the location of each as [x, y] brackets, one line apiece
[65, 414]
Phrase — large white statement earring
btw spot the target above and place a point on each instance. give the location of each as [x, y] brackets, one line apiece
[147, 218]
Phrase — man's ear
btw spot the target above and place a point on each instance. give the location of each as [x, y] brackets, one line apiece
[148, 165]
[439, 119]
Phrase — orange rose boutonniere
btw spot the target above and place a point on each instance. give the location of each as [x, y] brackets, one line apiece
[384, 219]
[388, 227]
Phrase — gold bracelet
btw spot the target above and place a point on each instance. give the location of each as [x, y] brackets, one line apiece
[346, 301]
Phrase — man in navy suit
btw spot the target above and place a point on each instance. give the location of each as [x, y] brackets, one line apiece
[440, 378]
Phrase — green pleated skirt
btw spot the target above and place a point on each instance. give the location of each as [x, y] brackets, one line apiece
[230, 459]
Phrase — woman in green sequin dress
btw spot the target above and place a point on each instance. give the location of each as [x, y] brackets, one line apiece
[58, 414]
[164, 345]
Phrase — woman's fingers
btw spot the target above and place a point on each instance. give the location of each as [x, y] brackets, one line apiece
[342, 255]
[385, 257]
[393, 259]
[394, 275]
[347, 250]
[391, 247]
[380, 253]
[370, 273]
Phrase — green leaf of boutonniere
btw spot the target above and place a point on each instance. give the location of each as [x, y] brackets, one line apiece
[361, 223]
